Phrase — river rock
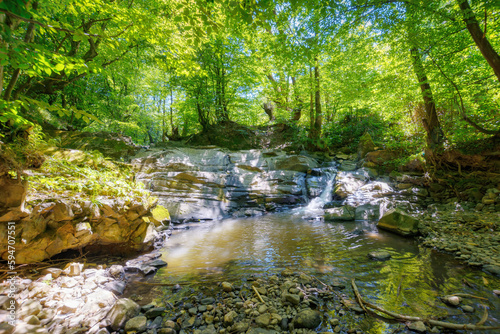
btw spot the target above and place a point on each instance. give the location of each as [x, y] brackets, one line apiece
[367, 212]
[263, 320]
[399, 222]
[307, 319]
[417, 326]
[122, 310]
[451, 300]
[240, 327]
[343, 213]
[292, 298]
[261, 331]
[227, 287]
[346, 184]
[136, 324]
[380, 255]
[154, 312]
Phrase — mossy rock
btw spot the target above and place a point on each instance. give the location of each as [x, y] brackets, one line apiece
[160, 214]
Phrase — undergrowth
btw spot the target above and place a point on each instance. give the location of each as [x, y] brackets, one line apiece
[85, 176]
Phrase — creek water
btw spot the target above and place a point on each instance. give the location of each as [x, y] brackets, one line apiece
[410, 283]
[238, 250]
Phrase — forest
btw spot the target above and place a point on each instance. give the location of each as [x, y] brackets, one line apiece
[249, 166]
[413, 74]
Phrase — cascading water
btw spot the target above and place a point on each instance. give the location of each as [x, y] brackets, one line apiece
[315, 206]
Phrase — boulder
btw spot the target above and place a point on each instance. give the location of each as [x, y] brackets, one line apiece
[13, 193]
[56, 226]
[346, 184]
[399, 222]
[123, 310]
[136, 324]
[340, 214]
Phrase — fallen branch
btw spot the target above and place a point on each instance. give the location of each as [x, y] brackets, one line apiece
[484, 317]
[358, 296]
[449, 325]
[468, 296]
[258, 294]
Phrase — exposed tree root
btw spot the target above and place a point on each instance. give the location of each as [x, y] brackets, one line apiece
[402, 317]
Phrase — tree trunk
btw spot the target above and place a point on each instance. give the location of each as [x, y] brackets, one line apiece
[430, 121]
[297, 103]
[319, 117]
[311, 103]
[479, 37]
[269, 110]
[3, 18]
[15, 75]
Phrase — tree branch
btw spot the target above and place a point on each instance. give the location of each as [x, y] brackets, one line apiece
[462, 107]
[47, 26]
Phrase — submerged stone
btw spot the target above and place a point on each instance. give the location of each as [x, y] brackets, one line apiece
[307, 319]
[399, 222]
[379, 255]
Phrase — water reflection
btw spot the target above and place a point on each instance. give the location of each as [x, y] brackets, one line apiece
[411, 282]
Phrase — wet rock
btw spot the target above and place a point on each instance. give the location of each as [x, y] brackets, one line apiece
[136, 324]
[240, 327]
[344, 213]
[116, 271]
[155, 312]
[399, 222]
[467, 308]
[115, 286]
[207, 301]
[32, 320]
[346, 184]
[491, 268]
[307, 319]
[379, 255]
[227, 287]
[121, 311]
[229, 317]
[261, 331]
[451, 300]
[291, 298]
[367, 212]
[263, 320]
[417, 326]
[157, 263]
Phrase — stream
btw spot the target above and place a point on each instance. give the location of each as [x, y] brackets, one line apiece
[243, 249]
[219, 244]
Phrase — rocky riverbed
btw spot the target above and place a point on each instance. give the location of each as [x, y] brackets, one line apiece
[78, 300]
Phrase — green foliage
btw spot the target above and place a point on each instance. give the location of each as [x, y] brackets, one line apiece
[85, 175]
[349, 129]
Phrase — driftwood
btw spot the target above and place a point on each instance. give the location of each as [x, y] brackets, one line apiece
[258, 294]
[402, 317]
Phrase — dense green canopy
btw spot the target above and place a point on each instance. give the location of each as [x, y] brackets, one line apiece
[411, 73]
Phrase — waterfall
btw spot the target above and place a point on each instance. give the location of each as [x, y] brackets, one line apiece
[315, 206]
